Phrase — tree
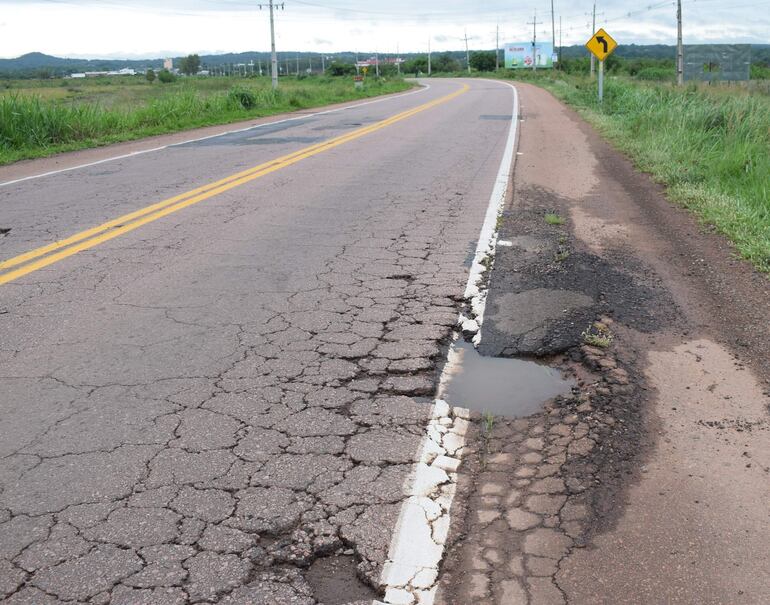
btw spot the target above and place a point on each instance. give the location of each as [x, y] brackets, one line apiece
[483, 60]
[166, 76]
[415, 66]
[190, 65]
[340, 69]
[445, 62]
[150, 75]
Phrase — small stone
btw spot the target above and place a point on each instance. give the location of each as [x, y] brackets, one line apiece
[534, 443]
[487, 516]
[512, 593]
[491, 489]
[521, 520]
[545, 542]
[545, 504]
[549, 485]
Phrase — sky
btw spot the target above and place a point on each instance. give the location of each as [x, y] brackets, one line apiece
[152, 28]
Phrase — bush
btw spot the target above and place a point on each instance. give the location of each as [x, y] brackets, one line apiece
[340, 69]
[655, 74]
[150, 75]
[166, 76]
[242, 97]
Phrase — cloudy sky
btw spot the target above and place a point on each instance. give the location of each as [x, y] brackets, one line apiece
[152, 28]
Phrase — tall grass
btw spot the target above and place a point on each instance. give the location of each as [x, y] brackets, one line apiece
[31, 126]
[710, 146]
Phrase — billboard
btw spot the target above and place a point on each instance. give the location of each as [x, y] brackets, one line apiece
[520, 55]
[717, 62]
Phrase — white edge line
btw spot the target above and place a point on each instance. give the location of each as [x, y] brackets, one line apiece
[423, 88]
[410, 575]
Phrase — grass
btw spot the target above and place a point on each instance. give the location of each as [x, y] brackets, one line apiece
[42, 118]
[709, 145]
[598, 335]
[554, 219]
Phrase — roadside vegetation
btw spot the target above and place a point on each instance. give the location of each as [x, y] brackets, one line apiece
[39, 118]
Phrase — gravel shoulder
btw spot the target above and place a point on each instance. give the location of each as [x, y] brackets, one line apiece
[649, 482]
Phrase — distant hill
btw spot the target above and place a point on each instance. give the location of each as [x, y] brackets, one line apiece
[42, 65]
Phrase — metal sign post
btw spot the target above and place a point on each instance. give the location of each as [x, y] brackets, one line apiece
[601, 45]
[601, 81]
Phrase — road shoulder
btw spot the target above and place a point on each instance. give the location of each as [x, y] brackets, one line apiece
[614, 493]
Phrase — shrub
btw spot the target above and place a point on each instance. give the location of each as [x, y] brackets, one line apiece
[242, 98]
[166, 76]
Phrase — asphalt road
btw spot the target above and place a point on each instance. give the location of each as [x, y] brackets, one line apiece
[201, 400]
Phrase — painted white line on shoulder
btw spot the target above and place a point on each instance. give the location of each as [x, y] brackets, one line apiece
[124, 156]
[410, 575]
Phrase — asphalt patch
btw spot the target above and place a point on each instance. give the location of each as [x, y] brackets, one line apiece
[545, 292]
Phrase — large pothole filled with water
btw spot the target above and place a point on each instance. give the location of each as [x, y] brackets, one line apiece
[498, 385]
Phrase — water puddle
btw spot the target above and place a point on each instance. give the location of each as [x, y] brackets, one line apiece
[498, 385]
[335, 582]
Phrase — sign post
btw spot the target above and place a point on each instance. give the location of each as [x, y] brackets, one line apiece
[601, 45]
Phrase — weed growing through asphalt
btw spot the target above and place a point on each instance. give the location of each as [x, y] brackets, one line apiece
[598, 335]
[554, 219]
[561, 256]
[487, 424]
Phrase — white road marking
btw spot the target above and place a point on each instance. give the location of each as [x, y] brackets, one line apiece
[212, 136]
[410, 575]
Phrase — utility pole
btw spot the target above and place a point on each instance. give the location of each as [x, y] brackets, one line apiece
[679, 46]
[323, 64]
[553, 29]
[377, 64]
[273, 55]
[467, 53]
[428, 57]
[297, 64]
[534, 25]
[593, 31]
[560, 64]
[497, 48]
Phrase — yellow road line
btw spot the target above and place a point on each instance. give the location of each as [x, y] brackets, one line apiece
[128, 222]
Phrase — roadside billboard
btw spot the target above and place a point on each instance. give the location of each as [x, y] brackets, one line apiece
[520, 55]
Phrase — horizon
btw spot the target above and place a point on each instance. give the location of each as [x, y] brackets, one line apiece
[210, 27]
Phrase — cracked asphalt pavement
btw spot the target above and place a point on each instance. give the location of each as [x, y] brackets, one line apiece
[204, 408]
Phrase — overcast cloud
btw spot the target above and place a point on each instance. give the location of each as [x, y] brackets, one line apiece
[149, 28]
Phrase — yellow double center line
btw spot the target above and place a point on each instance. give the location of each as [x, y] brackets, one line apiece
[47, 255]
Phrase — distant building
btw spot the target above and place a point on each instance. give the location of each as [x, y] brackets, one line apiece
[168, 64]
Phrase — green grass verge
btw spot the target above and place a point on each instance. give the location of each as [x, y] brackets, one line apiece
[36, 125]
[709, 145]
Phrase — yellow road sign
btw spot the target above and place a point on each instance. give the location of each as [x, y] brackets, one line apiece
[601, 45]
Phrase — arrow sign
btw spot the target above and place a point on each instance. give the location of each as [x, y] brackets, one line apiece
[601, 45]
[603, 41]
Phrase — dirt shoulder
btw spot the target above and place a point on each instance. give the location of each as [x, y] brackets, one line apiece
[649, 482]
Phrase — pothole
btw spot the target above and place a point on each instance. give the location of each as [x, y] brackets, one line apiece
[5, 230]
[335, 582]
[498, 385]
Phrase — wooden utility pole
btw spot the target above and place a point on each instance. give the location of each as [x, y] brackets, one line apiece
[679, 45]
[429, 57]
[593, 31]
[534, 25]
[467, 54]
[497, 48]
[553, 29]
[273, 55]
